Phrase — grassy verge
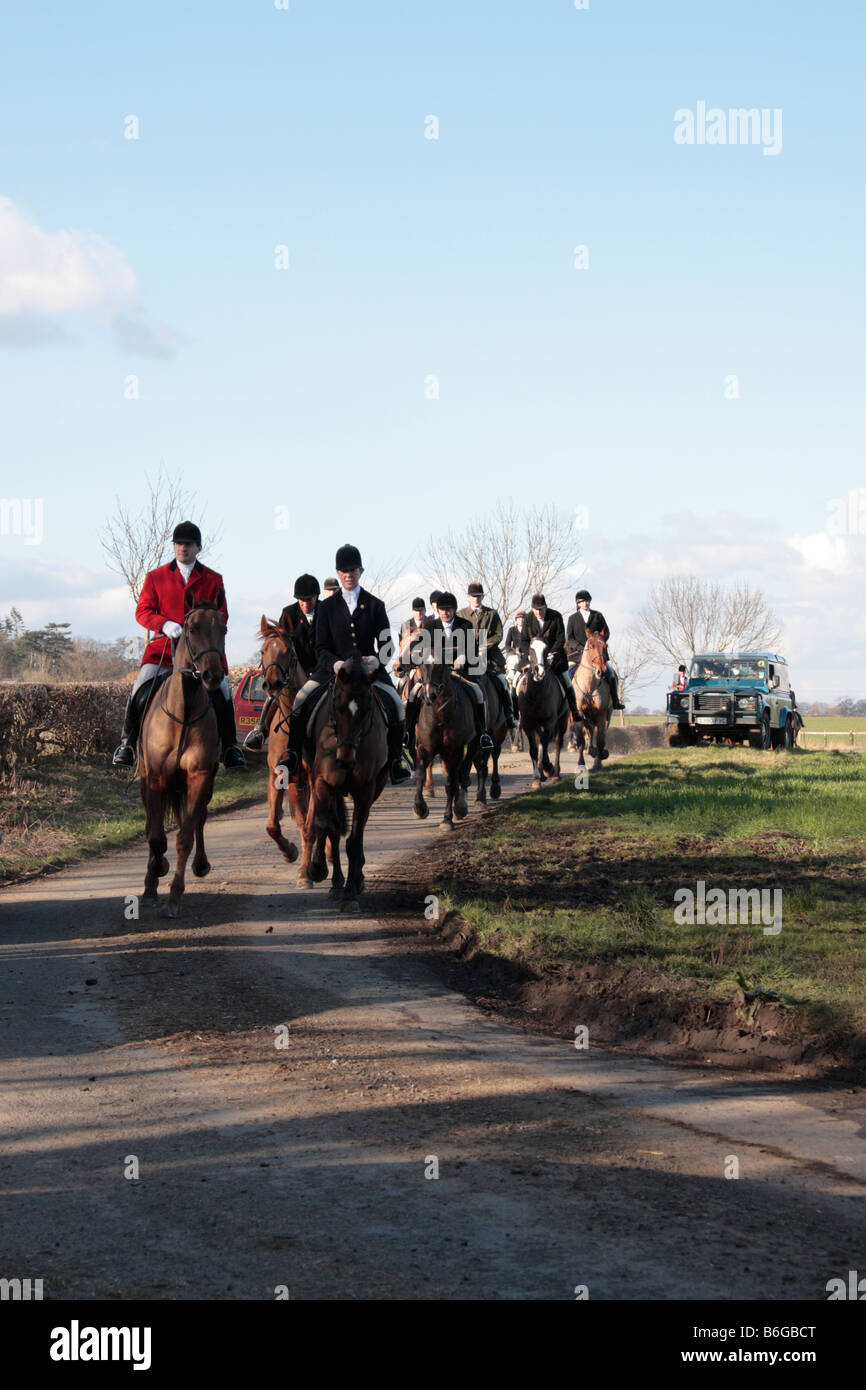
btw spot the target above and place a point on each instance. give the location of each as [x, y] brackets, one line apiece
[65, 811]
[567, 878]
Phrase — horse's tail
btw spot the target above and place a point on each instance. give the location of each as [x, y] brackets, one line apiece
[176, 799]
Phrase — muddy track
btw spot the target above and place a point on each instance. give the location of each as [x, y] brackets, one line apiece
[286, 1083]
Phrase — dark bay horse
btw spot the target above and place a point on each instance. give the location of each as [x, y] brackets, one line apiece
[349, 732]
[594, 700]
[179, 750]
[544, 713]
[446, 726]
[497, 727]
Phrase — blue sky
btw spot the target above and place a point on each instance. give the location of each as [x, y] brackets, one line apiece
[601, 387]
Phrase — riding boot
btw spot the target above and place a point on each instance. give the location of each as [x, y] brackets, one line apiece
[614, 690]
[291, 759]
[397, 754]
[572, 703]
[124, 753]
[505, 700]
[485, 742]
[256, 736]
[411, 721]
[225, 717]
[515, 705]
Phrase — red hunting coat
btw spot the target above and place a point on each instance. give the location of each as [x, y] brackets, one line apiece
[162, 601]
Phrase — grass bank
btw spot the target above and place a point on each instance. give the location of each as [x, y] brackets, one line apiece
[584, 882]
[64, 811]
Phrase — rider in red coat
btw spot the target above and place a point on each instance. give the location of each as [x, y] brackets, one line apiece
[161, 609]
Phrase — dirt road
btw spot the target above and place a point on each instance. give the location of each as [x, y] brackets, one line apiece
[286, 1083]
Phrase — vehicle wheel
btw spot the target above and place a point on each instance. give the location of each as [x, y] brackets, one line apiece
[674, 738]
[789, 735]
[766, 732]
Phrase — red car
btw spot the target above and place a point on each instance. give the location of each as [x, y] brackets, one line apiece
[249, 698]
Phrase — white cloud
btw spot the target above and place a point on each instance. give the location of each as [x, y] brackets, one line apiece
[55, 272]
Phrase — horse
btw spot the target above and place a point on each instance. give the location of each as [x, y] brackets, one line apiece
[178, 750]
[350, 737]
[446, 726]
[497, 727]
[543, 713]
[513, 672]
[282, 676]
[594, 700]
[409, 678]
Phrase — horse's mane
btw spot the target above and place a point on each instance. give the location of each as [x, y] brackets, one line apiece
[270, 627]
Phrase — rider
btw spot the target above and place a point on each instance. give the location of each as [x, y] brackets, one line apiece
[331, 586]
[546, 623]
[349, 621]
[582, 621]
[451, 650]
[514, 635]
[488, 621]
[302, 616]
[409, 631]
[161, 609]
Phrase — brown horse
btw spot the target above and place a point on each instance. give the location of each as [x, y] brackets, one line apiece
[179, 750]
[446, 726]
[283, 676]
[410, 678]
[594, 700]
[543, 713]
[351, 759]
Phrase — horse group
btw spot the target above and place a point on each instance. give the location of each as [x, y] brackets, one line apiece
[345, 747]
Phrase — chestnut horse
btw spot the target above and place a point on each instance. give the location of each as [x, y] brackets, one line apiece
[349, 733]
[446, 726]
[179, 750]
[544, 713]
[594, 700]
[283, 677]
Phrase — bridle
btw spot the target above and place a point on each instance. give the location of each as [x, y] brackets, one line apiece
[194, 657]
[352, 743]
[287, 673]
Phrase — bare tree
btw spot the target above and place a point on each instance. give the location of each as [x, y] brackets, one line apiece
[135, 541]
[687, 615]
[633, 665]
[393, 583]
[513, 554]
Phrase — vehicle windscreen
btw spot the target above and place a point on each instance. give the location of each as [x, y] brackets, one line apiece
[731, 669]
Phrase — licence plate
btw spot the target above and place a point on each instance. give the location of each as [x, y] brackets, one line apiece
[711, 719]
[246, 719]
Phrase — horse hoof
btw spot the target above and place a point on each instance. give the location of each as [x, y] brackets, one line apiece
[535, 785]
[150, 899]
[201, 870]
[335, 890]
[318, 874]
[554, 777]
[170, 910]
[302, 881]
[605, 754]
[461, 812]
[422, 811]
[351, 905]
[162, 867]
[496, 792]
[446, 825]
[291, 853]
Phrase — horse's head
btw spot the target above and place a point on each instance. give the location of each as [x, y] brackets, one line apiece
[353, 704]
[595, 654]
[436, 680]
[513, 662]
[537, 659]
[279, 658]
[202, 643]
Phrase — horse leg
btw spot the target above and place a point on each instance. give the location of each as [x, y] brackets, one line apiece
[198, 789]
[535, 753]
[481, 786]
[320, 825]
[423, 770]
[276, 806]
[201, 865]
[450, 767]
[495, 784]
[461, 780]
[428, 780]
[361, 803]
[157, 864]
[337, 876]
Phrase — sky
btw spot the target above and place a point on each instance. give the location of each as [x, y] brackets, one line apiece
[283, 289]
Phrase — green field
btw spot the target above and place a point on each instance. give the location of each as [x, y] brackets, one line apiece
[590, 876]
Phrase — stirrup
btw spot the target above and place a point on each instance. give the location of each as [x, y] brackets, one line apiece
[254, 739]
[399, 771]
[124, 755]
[233, 757]
[485, 741]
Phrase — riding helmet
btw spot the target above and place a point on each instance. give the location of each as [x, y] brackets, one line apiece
[332, 586]
[447, 600]
[419, 605]
[583, 593]
[539, 601]
[186, 531]
[307, 586]
[348, 558]
[475, 590]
